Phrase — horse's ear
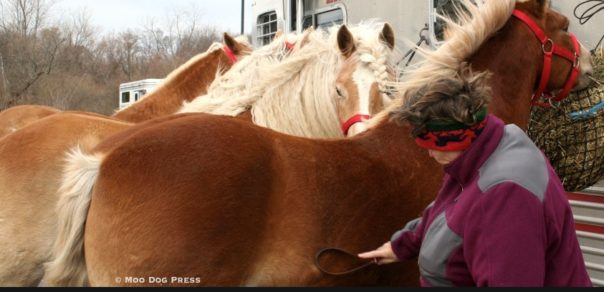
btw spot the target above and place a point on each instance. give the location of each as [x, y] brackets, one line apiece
[387, 36]
[346, 42]
[230, 42]
[541, 6]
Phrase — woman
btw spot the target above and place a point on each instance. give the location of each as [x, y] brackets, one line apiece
[502, 217]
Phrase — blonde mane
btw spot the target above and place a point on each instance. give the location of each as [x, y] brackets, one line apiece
[296, 96]
[175, 74]
[476, 23]
[240, 79]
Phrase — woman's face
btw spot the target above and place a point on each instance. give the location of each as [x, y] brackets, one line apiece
[444, 157]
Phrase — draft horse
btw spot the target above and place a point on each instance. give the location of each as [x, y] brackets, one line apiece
[232, 204]
[31, 160]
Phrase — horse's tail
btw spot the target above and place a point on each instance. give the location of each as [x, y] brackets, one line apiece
[67, 266]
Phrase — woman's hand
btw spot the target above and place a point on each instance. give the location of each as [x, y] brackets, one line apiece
[381, 256]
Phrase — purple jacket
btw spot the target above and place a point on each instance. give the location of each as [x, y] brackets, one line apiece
[501, 219]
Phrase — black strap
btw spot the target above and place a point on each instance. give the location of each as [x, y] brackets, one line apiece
[340, 251]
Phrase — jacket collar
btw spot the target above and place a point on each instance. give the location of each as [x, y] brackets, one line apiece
[465, 168]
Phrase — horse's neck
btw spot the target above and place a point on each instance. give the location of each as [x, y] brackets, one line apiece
[514, 75]
[186, 84]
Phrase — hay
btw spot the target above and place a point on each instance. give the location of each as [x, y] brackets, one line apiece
[574, 148]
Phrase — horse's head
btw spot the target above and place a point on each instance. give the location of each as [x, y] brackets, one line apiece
[361, 83]
[524, 43]
[566, 63]
[235, 48]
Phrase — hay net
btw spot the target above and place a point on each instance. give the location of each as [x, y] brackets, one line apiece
[572, 133]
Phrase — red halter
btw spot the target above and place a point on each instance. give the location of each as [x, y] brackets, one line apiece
[550, 49]
[353, 121]
[230, 54]
[290, 46]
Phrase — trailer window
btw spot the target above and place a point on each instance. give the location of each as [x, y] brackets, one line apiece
[307, 22]
[125, 97]
[329, 18]
[446, 8]
[293, 14]
[267, 27]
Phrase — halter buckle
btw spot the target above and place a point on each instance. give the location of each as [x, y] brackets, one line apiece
[551, 46]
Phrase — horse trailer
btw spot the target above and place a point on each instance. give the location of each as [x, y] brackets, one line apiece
[132, 92]
[416, 22]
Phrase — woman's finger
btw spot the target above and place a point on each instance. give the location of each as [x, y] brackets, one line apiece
[368, 255]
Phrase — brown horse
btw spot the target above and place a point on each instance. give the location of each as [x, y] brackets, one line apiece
[30, 165]
[187, 82]
[211, 201]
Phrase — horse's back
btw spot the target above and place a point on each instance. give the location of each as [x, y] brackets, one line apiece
[208, 199]
[17, 117]
[231, 187]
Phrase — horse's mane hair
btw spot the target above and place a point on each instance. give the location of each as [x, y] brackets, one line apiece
[170, 78]
[239, 79]
[476, 22]
[215, 46]
[296, 96]
[308, 108]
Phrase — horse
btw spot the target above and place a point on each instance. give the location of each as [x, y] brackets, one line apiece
[42, 144]
[183, 84]
[299, 98]
[187, 82]
[211, 201]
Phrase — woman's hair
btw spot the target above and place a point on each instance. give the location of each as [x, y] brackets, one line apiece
[456, 100]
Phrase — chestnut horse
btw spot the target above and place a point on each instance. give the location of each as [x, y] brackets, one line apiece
[211, 201]
[183, 84]
[187, 82]
[30, 164]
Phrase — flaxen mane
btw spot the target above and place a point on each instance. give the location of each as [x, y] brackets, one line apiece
[240, 78]
[476, 23]
[297, 96]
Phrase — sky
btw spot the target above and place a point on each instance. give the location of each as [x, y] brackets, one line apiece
[120, 15]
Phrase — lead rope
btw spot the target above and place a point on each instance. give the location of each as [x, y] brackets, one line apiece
[413, 51]
[587, 14]
[340, 251]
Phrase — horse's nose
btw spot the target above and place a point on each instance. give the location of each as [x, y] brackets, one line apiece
[587, 69]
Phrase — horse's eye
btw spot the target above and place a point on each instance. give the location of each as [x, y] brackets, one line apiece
[339, 92]
[387, 93]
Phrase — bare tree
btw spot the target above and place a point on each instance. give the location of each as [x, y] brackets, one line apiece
[69, 65]
[128, 42]
[24, 16]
